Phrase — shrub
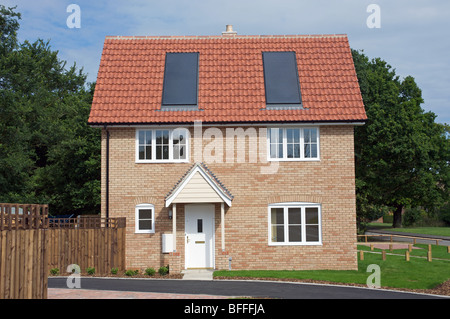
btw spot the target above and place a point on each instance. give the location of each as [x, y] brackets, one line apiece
[150, 271]
[54, 271]
[163, 271]
[90, 270]
[131, 273]
[114, 271]
[413, 216]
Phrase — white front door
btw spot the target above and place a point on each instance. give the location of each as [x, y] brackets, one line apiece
[199, 236]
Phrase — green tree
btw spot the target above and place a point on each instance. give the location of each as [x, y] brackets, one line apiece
[401, 153]
[48, 153]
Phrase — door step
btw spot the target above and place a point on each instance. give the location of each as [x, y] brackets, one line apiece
[197, 274]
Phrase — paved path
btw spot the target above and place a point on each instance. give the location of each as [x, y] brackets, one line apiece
[101, 288]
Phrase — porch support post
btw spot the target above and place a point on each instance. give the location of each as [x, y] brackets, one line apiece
[222, 224]
[174, 227]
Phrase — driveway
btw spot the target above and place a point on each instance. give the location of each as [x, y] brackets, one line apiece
[167, 288]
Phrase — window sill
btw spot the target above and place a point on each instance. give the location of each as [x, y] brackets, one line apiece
[160, 161]
[297, 244]
[144, 231]
[293, 159]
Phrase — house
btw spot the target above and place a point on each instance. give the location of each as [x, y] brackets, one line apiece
[230, 150]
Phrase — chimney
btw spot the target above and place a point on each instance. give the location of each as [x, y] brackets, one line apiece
[229, 31]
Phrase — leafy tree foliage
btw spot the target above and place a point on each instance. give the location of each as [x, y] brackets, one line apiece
[48, 153]
[402, 154]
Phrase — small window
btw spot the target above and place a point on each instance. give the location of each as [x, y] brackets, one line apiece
[180, 85]
[281, 79]
[294, 224]
[291, 144]
[162, 145]
[145, 218]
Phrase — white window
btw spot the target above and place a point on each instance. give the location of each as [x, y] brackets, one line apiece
[293, 144]
[162, 145]
[295, 224]
[145, 218]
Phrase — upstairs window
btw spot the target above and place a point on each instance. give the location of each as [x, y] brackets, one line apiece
[180, 80]
[291, 144]
[162, 145]
[281, 79]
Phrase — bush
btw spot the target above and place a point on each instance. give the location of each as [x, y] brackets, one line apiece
[413, 216]
[150, 271]
[163, 271]
[131, 273]
[90, 270]
[54, 271]
[114, 271]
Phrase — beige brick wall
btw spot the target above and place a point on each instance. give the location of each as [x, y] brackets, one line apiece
[330, 182]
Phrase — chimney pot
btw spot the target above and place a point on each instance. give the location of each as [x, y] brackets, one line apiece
[229, 31]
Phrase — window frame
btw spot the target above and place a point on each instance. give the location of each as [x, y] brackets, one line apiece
[146, 206]
[170, 145]
[302, 206]
[302, 157]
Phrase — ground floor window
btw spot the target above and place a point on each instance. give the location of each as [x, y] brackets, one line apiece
[145, 218]
[295, 224]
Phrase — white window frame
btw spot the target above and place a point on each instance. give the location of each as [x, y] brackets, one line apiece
[170, 159]
[302, 145]
[137, 230]
[285, 207]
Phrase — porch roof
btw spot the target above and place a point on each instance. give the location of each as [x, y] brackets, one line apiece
[199, 185]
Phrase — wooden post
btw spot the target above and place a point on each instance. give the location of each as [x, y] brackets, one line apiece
[383, 254]
[429, 257]
[448, 249]
[390, 247]
[371, 246]
[407, 255]
[361, 255]
[409, 247]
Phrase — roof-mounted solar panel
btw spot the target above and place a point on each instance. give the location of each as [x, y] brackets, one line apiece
[281, 79]
[180, 87]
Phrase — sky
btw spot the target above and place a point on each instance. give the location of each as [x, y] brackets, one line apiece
[410, 35]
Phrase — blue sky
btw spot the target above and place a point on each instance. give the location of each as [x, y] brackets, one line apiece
[413, 37]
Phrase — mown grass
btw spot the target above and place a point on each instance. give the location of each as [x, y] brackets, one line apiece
[395, 271]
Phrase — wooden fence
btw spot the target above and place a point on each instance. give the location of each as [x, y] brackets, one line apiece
[31, 244]
[87, 242]
[23, 253]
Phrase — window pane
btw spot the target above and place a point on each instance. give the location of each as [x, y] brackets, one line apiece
[148, 152]
[313, 150]
[141, 137]
[145, 214]
[295, 215]
[307, 150]
[277, 216]
[165, 152]
[295, 233]
[276, 135]
[158, 152]
[182, 153]
[307, 135]
[199, 225]
[297, 150]
[312, 215]
[145, 224]
[277, 234]
[176, 152]
[312, 233]
[290, 150]
[141, 152]
[148, 137]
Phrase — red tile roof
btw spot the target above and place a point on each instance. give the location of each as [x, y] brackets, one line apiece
[231, 80]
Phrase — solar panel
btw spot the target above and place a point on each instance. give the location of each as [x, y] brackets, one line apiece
[281, 78]
[180, 79]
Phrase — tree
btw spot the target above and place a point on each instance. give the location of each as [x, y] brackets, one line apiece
[401, 153]
[48, 153]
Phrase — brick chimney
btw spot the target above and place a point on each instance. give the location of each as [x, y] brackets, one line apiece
[229, 31]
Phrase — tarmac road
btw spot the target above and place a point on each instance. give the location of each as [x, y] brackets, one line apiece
[258, 289]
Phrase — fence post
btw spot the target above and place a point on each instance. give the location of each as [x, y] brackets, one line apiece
[407, 255]
[383, 254]
[361, 255]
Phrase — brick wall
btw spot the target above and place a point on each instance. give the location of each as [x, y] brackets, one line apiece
[330, 182]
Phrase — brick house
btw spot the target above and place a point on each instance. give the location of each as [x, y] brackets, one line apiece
[230, 147]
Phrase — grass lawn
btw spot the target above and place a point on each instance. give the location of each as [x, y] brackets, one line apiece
[436, 231]
[418, 273]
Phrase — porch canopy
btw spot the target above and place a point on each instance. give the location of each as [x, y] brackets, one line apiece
[198, 185]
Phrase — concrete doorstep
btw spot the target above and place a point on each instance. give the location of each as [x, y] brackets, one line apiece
[197, 274]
